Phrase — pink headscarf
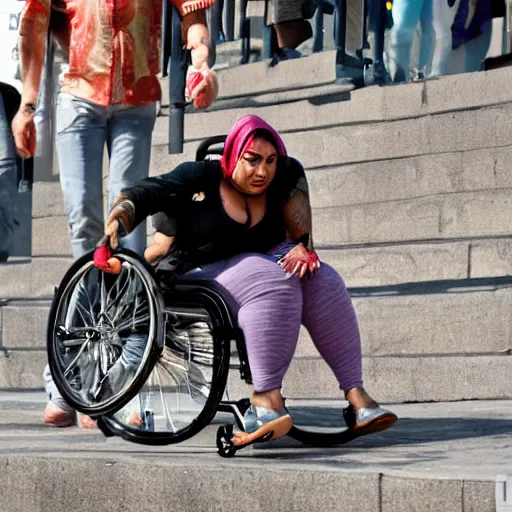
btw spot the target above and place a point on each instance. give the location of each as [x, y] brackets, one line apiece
[241, 135]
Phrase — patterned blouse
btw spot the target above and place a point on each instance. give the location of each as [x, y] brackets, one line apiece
[112, 46]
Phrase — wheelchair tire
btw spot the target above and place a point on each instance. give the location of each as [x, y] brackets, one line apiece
[104, 333]
[181, 395]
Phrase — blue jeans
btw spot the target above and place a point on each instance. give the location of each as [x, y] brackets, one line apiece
[7, 183]
[406, 14]
[83, 129]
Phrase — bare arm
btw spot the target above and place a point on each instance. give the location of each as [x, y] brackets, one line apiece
[197, 37]
[32, 43]
[297, 215]
[202, 84]
[159, 249]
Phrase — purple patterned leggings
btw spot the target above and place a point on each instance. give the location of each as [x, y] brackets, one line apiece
[271, 309]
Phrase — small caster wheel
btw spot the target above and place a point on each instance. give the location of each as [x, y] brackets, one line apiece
[225, 446]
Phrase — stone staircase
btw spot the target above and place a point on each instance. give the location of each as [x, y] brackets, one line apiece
[412, 203]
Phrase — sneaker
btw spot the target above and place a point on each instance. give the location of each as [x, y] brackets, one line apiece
[367, 421]
[261, 424]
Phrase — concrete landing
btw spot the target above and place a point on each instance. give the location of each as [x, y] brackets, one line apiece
[438, 457]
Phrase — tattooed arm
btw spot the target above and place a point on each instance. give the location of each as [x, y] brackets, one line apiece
[297, 216]
[32, 43]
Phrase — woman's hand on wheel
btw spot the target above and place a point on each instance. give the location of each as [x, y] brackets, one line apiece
[103, 259]
[299, 261]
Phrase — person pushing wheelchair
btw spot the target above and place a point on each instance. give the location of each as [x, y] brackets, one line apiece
[245, 222]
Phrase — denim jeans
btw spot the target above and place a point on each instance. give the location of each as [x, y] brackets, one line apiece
[7, 183]
[406, 14]
[83, 129]
[443, 18]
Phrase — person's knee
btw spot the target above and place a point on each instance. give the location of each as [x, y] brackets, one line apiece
[328, 275]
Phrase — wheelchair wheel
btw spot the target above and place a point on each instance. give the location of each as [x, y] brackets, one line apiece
[182, 394]
[104, 333]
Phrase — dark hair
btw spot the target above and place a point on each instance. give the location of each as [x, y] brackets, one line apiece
[265, 135]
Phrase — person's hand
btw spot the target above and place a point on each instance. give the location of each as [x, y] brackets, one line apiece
[103, 259]
[24, 130]
[298, 261]
[120, 220]
[202, 87]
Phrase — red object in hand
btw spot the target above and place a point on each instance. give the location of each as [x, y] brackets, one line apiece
[298, 261]
[202, 87]
[103, 259]
[194, 79]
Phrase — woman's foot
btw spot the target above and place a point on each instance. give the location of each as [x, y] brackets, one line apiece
[263, 424]
[86, 422]
[266, 419]
[57, 417]
[364, 415]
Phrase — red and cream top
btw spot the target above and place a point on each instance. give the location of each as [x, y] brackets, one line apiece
[112, 46]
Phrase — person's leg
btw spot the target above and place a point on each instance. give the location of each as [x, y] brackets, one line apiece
[81, 136]
[81, 130]
[7, 183]
[57, 412]
[443, 16]
[406, 14]
[330, 318]
[129, 146]
[476, 49]
[269, 313]
[269, 309]
[427, 39]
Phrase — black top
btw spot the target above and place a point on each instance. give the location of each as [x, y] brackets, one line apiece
[204, 231]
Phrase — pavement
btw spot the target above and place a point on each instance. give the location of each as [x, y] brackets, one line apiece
[439, 456]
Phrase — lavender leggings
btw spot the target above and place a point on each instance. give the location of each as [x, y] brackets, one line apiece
[271, 309]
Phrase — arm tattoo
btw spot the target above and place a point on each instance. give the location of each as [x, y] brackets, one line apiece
[297, 217]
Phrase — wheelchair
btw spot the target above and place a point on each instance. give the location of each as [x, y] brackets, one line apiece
[149, 359]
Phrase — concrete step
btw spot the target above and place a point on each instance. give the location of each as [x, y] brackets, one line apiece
[258, 79]
[371, 182]
[442, 94]
[416, 347]
[22, 369]
[437, 217]
[336, 145]
[360, 265]
[400, 379]
[35, 277]
[23, 325]
[395, 471]
[331, 104]
[446, 215]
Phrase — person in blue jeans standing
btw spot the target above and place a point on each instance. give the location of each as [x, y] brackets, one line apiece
[108, 96]
[436, 18]
[7, 182]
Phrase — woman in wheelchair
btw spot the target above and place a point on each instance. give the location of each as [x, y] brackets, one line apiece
[245, 222]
